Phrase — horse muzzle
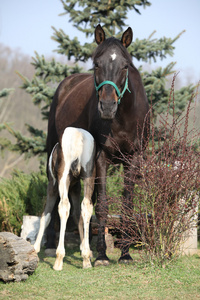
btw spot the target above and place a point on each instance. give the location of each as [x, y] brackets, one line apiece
[107, 109]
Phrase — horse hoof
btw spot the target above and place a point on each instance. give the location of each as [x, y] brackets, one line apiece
[58, 265]
[101, 262]
[50, 252]
[37, 248]
[87, 265]
[125, 259]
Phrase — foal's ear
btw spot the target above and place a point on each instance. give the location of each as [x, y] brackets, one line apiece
[99, 34]
[127, 37]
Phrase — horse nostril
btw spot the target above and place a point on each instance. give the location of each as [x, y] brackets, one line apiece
[101, 104]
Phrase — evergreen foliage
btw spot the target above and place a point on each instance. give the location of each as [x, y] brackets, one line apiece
[5, 92]
[159, 96]
[28, 145]
[85, 17]
[20, 195]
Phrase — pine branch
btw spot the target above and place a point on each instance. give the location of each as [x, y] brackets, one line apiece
[5, 92]
[42, 94]
[52, 71]
[109, 13]
[72, 48]
[43, 85]
[31, 146]
[158, 95]
[148, 49]
[144, 50]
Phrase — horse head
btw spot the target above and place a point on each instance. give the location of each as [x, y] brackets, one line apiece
[111, 63]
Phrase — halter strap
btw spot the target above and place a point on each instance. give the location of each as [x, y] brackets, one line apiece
[120, 95]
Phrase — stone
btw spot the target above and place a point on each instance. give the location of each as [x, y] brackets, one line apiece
[30, 228]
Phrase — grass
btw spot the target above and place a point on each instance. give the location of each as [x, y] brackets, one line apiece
[179, 280]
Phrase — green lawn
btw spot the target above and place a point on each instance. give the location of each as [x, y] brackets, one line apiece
[179, 280]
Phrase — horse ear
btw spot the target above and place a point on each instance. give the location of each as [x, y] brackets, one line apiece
[127, 37]
[99, 34]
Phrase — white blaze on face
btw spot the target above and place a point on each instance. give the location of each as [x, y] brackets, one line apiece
[113, 56]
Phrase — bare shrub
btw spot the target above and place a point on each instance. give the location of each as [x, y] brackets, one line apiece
[166, 182]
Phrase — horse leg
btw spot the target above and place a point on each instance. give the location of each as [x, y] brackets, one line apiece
[50, 231]
[63, 210]
[101, 211]
[126, 211]
[75, 192]
[86, 212]
[46, 216]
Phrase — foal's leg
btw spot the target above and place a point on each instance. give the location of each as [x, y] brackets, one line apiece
[52, 194]
[51, 232]
[63, 209]
[86, 211]
[75, 192]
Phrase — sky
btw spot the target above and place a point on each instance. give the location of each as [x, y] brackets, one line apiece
[26, 25]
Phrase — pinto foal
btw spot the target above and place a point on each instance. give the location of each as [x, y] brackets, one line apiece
[69, 161]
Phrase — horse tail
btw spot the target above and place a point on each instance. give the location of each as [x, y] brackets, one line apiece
[52, 160]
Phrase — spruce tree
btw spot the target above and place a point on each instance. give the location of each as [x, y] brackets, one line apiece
[85, 15]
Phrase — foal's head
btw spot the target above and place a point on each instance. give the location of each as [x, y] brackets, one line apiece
[111, 62]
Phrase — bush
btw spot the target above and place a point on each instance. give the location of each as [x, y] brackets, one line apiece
[166, 184]
[114, 186]
[20, 195]
[36, 194]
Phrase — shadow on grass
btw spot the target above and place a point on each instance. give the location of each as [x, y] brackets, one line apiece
[73, 258]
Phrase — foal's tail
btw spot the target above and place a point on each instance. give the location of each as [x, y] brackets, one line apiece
[75, 167]
[52, 166]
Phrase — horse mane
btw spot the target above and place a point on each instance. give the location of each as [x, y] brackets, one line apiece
[111, 42]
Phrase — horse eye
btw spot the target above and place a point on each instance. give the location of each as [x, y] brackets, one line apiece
[96, 66]
[126, 67]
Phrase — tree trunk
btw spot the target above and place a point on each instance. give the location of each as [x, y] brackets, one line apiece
[18, 258]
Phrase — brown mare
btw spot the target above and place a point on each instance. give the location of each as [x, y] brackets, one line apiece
[112, 105]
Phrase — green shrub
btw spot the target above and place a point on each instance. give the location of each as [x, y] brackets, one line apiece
[114, 185]
[20, 195]
[36, 194]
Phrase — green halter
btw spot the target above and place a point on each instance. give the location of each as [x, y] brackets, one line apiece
[120, 95]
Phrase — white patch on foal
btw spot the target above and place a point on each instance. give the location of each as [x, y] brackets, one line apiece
[77, 143]
[113, 56]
